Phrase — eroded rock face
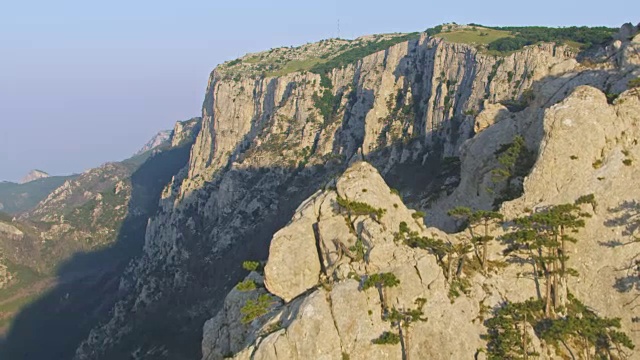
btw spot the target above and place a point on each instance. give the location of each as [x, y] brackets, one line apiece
[339, 317]
[295, 266]
[264, 147]
[583, 145]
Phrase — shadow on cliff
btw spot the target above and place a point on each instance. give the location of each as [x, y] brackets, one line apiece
[627, 216]
[87, 284]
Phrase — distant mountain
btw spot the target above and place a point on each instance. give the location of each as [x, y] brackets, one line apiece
[34, 175]
[157, 140]
[77, 240]
[16, 198]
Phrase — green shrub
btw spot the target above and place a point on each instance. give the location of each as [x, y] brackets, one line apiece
[418, 215]
[251, 265]
[246, 285]
[254, 309]
[358, 250]
[381, 280]
[515, 161]
[627, 162]
[360, 208]
[387, 338]
[634, 83]
[434, 30]
[458, 287]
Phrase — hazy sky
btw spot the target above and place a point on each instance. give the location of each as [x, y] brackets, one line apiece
[84, 82]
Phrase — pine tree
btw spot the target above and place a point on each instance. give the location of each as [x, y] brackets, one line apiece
[403, 319]
[472, 220]
[542, 236]
[381, 281]
[507, 336]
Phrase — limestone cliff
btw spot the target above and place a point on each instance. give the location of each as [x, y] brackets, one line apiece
[426, 114]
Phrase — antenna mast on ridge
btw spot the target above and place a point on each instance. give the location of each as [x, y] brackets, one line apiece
[338, 28]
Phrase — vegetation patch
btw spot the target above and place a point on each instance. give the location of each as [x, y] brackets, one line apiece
[254, 309]
[387, 338]
[296, 66]
[515, 161]
[579, 332]
[353, 55]
[360, 208]
[247, 285]
[521, 36]
[474, 35]
[380, 280]
[597, 164]
[252, 266]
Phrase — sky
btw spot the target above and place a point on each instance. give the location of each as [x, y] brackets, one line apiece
[86, 82]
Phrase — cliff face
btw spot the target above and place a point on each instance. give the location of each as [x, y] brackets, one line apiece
[268, 143]
[320, 307]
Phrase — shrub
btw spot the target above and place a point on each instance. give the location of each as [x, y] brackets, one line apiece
[627, 162]
[254, 309]
[515, 161]
[434, 30]
[597, 164]
[418, 215]
[634, 83]
[246, 285]
[387, 338]
[382, 280]
[459, 287]
[251, 265]
[360, 208]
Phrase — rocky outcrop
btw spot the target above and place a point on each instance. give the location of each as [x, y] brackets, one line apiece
[10, 231]
[159, 139]
[337, 316]
[34, 175]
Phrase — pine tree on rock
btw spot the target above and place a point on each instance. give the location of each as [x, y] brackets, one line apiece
[472, 220]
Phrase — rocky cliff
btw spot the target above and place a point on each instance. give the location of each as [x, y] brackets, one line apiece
[157, 140]
[429, 115]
